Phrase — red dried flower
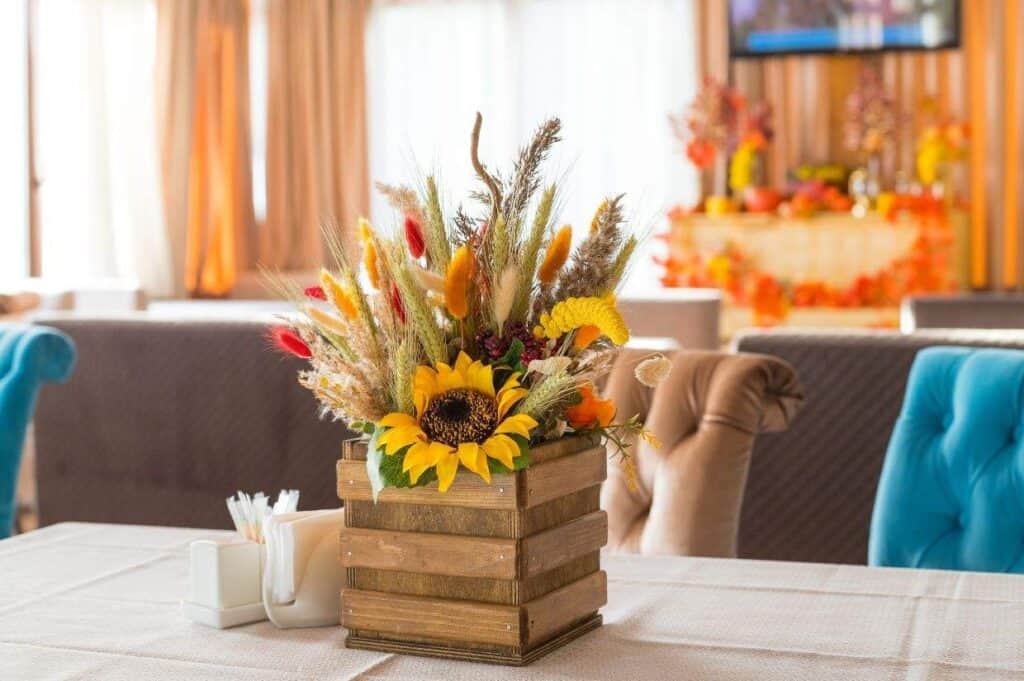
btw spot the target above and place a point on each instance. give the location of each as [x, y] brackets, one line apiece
[414, 236]
[396, 303]
[287, 341]
[315, 292]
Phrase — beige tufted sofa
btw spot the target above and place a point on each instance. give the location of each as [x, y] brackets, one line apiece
[706, 414]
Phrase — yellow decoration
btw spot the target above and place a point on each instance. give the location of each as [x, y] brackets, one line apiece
[371, 263]
[741, 169]
[884, 202]
[459, 420]
[716, 206]
[337, 294]
[365, 230]
[572, 313]
[555, 255]
[456, 283]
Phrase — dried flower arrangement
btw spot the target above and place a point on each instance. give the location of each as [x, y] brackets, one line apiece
[469, 338]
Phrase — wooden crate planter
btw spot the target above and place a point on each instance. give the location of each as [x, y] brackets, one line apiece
[499, 573]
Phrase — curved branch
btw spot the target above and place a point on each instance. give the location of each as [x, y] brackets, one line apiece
[481, 171]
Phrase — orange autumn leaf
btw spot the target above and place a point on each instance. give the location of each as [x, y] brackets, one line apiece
[591, 411]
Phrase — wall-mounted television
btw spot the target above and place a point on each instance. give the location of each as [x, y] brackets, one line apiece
[774, 27]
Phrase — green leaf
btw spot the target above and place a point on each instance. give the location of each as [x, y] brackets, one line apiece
[513, 357]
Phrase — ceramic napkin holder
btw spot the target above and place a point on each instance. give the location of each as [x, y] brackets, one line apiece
[304, 576]
[225, 582]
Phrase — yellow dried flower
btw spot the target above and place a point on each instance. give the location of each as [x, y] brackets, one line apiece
[371, 261]
[337, 294]
[555, 256]
[365, 230]
[586, 335]
[653, 370]
[572, 313]
[456, 283]
[326, 320]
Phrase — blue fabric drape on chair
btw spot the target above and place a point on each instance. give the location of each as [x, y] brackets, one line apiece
[29, 357]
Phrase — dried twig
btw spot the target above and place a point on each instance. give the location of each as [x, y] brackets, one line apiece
[481, 170]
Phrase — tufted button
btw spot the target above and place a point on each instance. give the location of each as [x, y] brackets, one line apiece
[947, 420]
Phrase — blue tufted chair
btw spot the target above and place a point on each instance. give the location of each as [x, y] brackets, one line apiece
[29, 357]
[951, 495]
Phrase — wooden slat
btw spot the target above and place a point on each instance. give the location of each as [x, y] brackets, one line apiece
[482, 589]
[557, 611]
[468, 490]
[559, 545]
[541, 483]
[507, 655]
[438, 554]
[431, 617]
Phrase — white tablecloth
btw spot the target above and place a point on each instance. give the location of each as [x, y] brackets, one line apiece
[98, 602]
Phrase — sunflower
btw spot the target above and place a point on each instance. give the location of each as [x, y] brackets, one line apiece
[459, 419]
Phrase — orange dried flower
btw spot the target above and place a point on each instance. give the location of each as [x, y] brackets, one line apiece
[338, 295]
[592, 411]
[555, 255]
[370, 262]
[456, 282]
[585, 335]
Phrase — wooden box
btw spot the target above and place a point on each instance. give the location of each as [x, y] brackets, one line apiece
[499, 573]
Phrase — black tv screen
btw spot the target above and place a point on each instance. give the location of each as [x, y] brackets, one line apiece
[771, 27]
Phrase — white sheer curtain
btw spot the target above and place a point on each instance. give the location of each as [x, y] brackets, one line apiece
[100, 205]
[13, 141]
[610, 69]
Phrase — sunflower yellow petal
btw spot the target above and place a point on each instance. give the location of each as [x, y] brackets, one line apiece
[508, 397]
[480, 377]
[462, 363]
[418, 455]
[416, 471]
[446, 469]
[424, 382]
[496, 448]
[396, 438]
[519, 424]
[473, 458]
[399, 419]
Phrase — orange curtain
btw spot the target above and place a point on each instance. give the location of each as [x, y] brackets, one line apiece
[203, 81]
[982, 83]
[316, 127]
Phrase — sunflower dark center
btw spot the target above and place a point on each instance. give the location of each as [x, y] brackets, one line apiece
[460, 415]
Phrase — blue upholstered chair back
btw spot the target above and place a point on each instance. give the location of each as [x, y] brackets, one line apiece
[951, 495]
[29, 357]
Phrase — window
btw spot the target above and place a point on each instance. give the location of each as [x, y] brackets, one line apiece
[14, 194]
[100, 207]
[611, 69]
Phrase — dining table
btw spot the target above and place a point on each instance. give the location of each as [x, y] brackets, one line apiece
[103, 602]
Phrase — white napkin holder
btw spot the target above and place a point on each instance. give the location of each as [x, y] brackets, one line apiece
[225, 577]
[303, 578]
